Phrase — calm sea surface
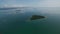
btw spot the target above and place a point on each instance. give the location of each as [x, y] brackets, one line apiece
[17, 21]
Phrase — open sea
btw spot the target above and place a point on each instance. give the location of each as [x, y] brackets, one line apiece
[17, 20]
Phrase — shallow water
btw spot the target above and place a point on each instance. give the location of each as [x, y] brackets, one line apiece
[17, 22]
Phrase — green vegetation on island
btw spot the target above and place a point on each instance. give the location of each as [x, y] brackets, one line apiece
[34, 17]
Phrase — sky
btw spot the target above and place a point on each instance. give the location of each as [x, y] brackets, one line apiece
[29, 3]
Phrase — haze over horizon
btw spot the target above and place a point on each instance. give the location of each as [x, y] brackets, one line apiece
[29, 3]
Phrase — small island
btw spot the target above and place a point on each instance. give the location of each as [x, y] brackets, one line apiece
[34, 17]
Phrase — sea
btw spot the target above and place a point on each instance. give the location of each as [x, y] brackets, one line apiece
[17, 20]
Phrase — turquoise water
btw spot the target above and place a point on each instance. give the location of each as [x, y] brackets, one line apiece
[18, 22]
